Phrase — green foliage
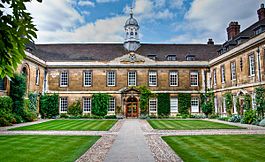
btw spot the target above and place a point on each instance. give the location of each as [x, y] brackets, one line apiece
[33, 98]
[228, 102]
[249, 117]
[16, 31]
[100, 104]
[6, 116]
[29, 116]
[207, 102]
[17, 93]
[262, 123]
[145, 95]
[235, 118]
[184, 100]
[260, 101]
[163, 100]
[49, 105]
[75, 109]
[247, 102]
[238, 106]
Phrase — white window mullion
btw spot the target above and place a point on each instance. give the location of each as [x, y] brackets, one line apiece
[195, 104]
[152, 78]
[173, 78]
[173, 104]
[86, 105]
[63, 104]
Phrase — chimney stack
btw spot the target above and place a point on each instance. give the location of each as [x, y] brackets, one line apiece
[233, 30]
[210, 41]
[261, 12]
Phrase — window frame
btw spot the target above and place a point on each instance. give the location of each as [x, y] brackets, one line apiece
[170, 78]
[174, 110]
[214, 77]
[90, 79]
[233, 71]
[113, 79]
[89, 109]
[193, 73]
[151, 109]
[60, 105]
[37, 79]
[135, 78]
[67, 79]
[193, 100]
[112, 104]
[251, 65]
[222, 70]
[152, 75]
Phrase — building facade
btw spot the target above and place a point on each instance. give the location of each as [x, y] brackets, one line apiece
[77, 71]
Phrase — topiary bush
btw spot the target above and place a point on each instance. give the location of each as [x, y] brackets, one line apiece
[100, 104]
[184, 103]
[75, 109]
[49, 105]
[163, 103]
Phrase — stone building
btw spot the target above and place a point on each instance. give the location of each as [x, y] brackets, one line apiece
[77, 71]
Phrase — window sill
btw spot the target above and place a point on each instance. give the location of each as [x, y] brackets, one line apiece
[62, 86]
[87, 85]
[173, 85]
[111, 85]
[194, 85]
[152, 85]
[251, 76]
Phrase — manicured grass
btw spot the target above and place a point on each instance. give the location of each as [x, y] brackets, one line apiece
[44, 148]
[81, 125]
[218, 147]
[188, 125]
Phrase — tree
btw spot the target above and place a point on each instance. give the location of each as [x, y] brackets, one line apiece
[16, 30]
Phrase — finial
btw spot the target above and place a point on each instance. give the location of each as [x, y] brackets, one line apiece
[131, 12]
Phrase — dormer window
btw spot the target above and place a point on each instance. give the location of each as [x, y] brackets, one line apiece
[171, 57]
[260, 29]
[190, 57]
[153, 57]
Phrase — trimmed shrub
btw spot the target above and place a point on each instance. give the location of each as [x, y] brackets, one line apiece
[262, 123]
[213, 116]
[163, 100]
[235, 118]
[29, 116]
[198, 116]
[75, 109]
[110, 117]
[184, 103]
[6, 116]
[249, 117]
[100, 104]
[49, 105]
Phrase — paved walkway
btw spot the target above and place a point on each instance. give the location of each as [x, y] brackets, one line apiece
[130, 144]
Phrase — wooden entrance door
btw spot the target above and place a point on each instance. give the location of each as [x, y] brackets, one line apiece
[132, 108]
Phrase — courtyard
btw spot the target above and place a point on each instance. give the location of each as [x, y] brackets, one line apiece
[132, 140]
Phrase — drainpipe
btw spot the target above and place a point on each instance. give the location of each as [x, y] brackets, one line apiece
[45, 81]
[259, 71]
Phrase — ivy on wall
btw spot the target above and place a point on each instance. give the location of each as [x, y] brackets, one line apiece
[75, 109]
[145, 94]
[247, 102]
[163, 100]
[49, 105]
[228, 102]
[184, 103]
[100, 104]
[207, 102]
[260, 101]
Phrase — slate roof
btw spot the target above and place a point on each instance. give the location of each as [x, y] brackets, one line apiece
[110, 51]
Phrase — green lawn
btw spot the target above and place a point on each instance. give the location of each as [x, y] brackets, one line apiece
[81, 125]
[42, 148]
[188, 125]
[218, 147]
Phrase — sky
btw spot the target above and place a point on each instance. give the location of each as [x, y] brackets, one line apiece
[161, 21]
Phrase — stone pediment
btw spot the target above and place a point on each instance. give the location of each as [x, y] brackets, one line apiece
[132, 58]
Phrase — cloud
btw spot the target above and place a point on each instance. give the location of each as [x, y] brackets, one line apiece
[86, 3]
[210, 19]
[176, 3]
[106, 1]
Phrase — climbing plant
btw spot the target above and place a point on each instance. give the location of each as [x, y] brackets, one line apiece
[100, 104]
[49, 105]
[184, 103]
[163, 100]
[238, 106]
[207, 102]
[260, 101]
[33, 101]
[247, 102]
[228, 102]
[145, 94]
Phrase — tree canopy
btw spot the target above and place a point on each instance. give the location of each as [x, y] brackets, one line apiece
[16, 30]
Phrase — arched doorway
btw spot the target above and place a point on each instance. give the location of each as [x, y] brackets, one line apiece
[132, 107]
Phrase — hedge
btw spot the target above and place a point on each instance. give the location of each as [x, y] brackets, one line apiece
[163, 104]
[100, 104]
[49, 105]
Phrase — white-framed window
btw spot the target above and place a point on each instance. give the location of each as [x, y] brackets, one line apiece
[251, 59]
[64, 79]
[132, 78]
[224, 105]
[87, 104]
[215, 105]
[111, 104]
[37, 76]
[253, 100]
[87, 78]
[214, 77]
[173, 78]
[152, 78]
[153, 105]
[111, 78]
[194, 104]
[233, 71]
[223, 74]
[63, 104]
[194, 81]
[174, 104]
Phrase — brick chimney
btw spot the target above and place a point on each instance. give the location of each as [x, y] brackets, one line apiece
[261, 12]
[233, 30]
[210, 41]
